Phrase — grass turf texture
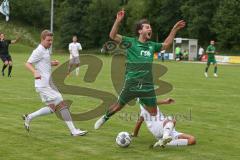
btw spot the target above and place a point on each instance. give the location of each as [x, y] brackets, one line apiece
[214, 105]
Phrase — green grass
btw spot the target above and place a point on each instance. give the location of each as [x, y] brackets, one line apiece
[214, 103]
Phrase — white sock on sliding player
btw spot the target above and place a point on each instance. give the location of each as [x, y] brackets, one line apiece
[178, 142]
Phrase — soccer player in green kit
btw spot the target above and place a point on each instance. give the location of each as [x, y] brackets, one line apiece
[211, 51]
[138, 76]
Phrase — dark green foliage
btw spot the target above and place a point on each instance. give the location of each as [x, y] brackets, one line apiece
[198, 15]
[72, 21]
[91, 20]
[32, 12]
[99, 21]
[227, 24]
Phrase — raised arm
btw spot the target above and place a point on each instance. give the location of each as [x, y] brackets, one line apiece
[168, 41]
[137, 126]
[114, 32]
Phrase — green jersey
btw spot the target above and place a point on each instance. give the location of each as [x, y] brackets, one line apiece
[211, 52]
[177, 50]
[139, 59]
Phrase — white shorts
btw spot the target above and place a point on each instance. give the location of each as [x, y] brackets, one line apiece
[49, 95]
[74, 60]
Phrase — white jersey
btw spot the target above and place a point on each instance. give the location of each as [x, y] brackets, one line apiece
[200, 51]
[41, 58]
[74, 49]
[155, 123]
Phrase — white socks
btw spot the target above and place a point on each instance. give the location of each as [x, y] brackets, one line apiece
[64, 113]
[68, 119]
[71, 126]
[167, 129]
[77, 71]
[41, 112]
[178, 142]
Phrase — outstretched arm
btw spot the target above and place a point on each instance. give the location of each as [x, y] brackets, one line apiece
[168, 41]
[114, 32]
[137, 126]
[165, 101]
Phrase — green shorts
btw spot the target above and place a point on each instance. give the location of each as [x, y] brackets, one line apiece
[211, 61]
[144, 91]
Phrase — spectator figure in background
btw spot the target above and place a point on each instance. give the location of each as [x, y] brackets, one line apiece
[200, 53]
[4, 53]
[178, 53]
[74, 49]
[185, 54]
[162, 55]
[211, 51]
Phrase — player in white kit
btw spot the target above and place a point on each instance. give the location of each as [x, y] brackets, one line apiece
[39, 63]
[74, 49]
[162, 128]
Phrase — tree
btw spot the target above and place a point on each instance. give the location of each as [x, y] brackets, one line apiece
[198, 15]
[135, 10]
[72, 21]
[227, 24]
[99, 20]
[31, 12]
[163, 15]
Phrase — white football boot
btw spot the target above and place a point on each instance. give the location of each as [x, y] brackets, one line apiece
[78, 132]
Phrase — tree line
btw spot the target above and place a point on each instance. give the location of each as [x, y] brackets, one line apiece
[91, 20]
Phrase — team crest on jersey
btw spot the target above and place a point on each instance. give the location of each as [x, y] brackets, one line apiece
[145, 53]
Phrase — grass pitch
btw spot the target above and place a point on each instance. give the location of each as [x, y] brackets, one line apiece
[206, 108]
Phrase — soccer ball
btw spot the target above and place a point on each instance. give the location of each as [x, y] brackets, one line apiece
[123, 139]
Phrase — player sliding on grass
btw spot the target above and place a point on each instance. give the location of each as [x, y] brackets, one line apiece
[161, 126]
[138, 75]
[41, 59]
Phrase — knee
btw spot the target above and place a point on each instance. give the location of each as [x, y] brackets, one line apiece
[191, 140]
[174, 121]
[152, 111]
[6, 63]
[57, 104]
[57, 107]
[170, 122]
[61, 105]
[52, 107]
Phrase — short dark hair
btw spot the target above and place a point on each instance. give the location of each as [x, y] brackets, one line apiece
[139, 25]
